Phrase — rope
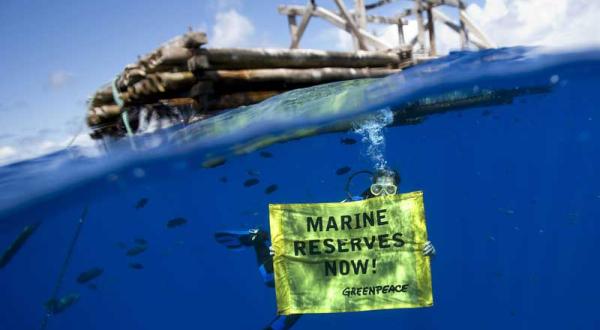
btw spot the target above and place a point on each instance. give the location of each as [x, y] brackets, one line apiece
[119, 101]
[65, 266]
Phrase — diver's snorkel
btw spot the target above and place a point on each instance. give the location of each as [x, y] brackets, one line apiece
[347, 186]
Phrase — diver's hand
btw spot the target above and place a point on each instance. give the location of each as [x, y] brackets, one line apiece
[271, 250]
[428, 249]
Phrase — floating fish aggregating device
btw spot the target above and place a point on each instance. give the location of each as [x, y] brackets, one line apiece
[183, 80]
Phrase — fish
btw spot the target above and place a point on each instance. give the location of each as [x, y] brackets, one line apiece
[214, 162]
[348, 141]
[343, 170]
[271, 189]
[17, 244]
[92, 286]
[223, 179]
[89, 275]
[253, 173]
[134, 251]
[486, 113]
[266, 154]
[136, 265]
[57, 306]
[141, 203]
[506, 211]
[141, 241]
[176, 222]
[251, 182]
[121, 245]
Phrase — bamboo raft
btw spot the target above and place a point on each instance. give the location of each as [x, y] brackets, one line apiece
[184, 73]
[183, 80]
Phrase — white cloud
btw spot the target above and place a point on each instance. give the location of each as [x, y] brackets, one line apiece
[7, 152]
[58, 79]
[539, 22]
[510, 23]
[232, 29]
[35, 148]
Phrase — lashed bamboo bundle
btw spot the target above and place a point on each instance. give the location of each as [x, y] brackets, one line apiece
[221, 78]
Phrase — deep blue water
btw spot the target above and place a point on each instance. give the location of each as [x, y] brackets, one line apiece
[512, 196]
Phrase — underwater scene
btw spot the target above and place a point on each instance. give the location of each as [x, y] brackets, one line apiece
[504, 144]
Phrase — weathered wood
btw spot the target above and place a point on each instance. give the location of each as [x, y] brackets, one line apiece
[157, 83]
[97, 115]
[351, 25]
[476, 31]
[401, 39]
[337, 21]
[234, 100]
[293, 25]
[303, 24]
[420, 26]
[464, 36]
[360, 14]
[294, 76]
[378, 4]
[384, 20]
[431, 28]
[254, 58]
[440, 16]
[453, 3]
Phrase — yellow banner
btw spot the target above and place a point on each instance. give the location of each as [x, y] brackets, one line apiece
[355, 256]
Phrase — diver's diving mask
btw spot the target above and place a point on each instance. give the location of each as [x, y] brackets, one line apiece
[382, 189]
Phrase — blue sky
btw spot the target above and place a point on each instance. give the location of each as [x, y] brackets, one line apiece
[56, 53]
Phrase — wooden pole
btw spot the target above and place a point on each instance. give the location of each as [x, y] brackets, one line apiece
[360, 16]
[476, 31]
[438, 15]
[351, 24]
[293, 76]
[337, 21]
[265, 58]
[401, 39]
[420, 27]
[303, 24]
[464, 36]
[431, 28]
[293, 25]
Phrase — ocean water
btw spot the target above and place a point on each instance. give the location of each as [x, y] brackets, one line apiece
[508, 166]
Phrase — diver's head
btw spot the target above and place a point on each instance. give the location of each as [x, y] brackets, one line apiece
[385, 182]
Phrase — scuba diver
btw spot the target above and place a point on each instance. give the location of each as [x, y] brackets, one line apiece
[384, 182]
